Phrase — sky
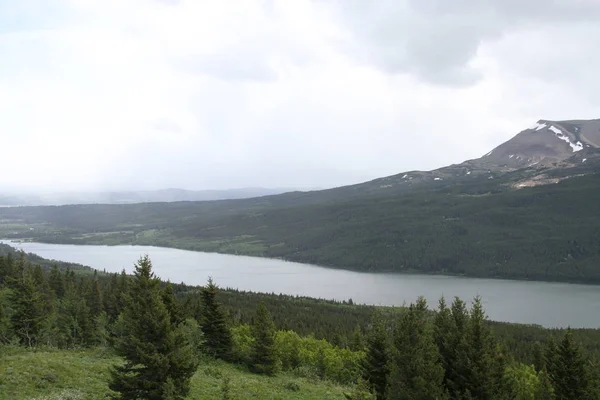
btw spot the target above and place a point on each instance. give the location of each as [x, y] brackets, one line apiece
[151, 94]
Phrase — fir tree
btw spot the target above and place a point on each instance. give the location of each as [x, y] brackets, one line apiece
[450, 327]
[56, 282]
[487, 366]
[93, 296]
[569, 375]
[172, 304]
[29, 313]
[416, 369]
[375, 368]
[159, 362]
[264, 352]
[217, 337]
[74, 319]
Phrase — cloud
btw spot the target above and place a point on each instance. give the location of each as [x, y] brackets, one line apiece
[436, 40]
[200, 94]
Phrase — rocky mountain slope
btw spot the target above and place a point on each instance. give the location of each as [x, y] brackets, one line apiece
[535, 217]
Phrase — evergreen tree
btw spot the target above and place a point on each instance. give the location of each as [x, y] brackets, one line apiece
[56, 282]
[357, 342]
[93, 296]
[487, 366]
[264, 352]
[569, 375]
[159, 362]
[29, 313]
[545, 391]
[416, 369]
[172, 304]
[74, 319]
[375, 367]
[217, 337]
[451, 328]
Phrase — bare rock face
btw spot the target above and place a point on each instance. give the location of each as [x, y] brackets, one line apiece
[545, 143]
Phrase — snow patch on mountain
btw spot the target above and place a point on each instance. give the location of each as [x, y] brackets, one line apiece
[559, 134]
[538, 126]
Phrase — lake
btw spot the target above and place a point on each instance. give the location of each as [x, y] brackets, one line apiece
[543, 303]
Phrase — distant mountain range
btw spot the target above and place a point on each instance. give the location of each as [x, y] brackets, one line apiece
[529, 209]
[130, 197]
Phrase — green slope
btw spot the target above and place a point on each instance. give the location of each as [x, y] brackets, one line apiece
[472, 226]
[84, 374]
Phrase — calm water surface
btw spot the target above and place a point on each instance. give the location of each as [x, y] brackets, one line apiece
[547, 304]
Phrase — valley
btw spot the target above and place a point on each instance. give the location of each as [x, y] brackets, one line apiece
[481, 218]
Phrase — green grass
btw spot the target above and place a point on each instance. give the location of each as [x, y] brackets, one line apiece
[83, 374]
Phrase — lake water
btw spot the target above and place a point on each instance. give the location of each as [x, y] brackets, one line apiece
[543, 303]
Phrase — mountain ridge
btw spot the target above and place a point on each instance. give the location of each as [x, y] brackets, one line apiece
[478, 218]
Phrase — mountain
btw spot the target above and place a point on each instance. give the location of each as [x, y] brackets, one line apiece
[536, 217]
[130, 197]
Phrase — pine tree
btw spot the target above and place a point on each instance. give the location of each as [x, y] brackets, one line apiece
[357, 342]
[29, 313]
[74, 319]
[416, 369]
[93, 296]
[159, 362]
[172, 304]
[375, 368]
[56, 282]
[569, 375]
[545, 391]
[487, 367]
[264, 352]
[217, 337]
[450, 329]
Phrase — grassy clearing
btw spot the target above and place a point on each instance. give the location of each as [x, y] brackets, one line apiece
[83, 374]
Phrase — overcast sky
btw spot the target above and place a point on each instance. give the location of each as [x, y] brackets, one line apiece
[147, 94]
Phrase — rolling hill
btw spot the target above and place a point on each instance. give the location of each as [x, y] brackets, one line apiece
[529, 209]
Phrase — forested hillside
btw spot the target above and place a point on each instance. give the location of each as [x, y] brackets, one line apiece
[476, 227]
[172, 337]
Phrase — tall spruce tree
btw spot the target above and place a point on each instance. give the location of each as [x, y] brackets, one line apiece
[416, 369]
[29, 312]
[487, 364]
[159, 362]
[217, 337]
[569, 375]
[450, 327]
[56, 282]
[264, 352]
[172, 304]
[375, 367]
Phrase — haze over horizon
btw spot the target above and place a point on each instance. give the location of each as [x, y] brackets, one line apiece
[154, 94]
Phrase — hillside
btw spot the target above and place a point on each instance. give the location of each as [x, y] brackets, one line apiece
[17, 198]
[478, 218]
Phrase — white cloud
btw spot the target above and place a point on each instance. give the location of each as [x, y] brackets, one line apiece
[204, 94]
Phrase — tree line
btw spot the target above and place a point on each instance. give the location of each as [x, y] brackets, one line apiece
[164, 331]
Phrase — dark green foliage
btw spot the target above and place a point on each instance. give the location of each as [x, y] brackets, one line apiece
[473, 226]
[172, 304]
[487, 365]
[416, 369]
[567, 370]
[29, 312]
[74, 320]
[264, 352]
[56, 282]
[217, 338]
[471, 357]
[159, 362]
[375, 368]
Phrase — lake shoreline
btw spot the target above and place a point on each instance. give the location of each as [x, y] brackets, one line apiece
[404, 272]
